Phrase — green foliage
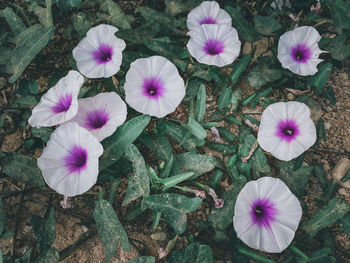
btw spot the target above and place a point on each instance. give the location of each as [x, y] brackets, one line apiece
[50, 256]
[115, 145]
[81, 24]
[159, 145]
[144, 259]
[225, 97]
[344, 223]
[27, 87]
[2, 216]
[193, 253]
[43, 133]
[116, 15]
[319, 80]
[328, 215]
[266, 25]
[263, 73]
[173, 207]
[110, 230]
[198, 163]
[338, 48]
[13, 21]
[196, 129]
[22, 168]
[239, 67]
[44, 14]
[138, 183]
[65, 5]
[44, 230]
[201, 103]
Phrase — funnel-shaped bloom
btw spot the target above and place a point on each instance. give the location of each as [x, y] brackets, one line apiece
[153, 86]
[267, 215]
[101, 114]
[60, 103]
[208, 12]
[99, 54]
[214, 44]
[298, 50]
[286, 130]
[69, 162]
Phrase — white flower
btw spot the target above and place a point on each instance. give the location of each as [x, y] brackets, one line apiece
[60, 103]
[69, 162]
[101, 114]
[153, 86]
[214, 44]
[267, 214]
[298, 50]
[99, 54]
[208, 12]
[286, 130]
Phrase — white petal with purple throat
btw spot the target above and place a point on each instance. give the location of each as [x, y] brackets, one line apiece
[101, 114]
[298, 50]
[153, 86]
[214, 44]
[267, 214]
[99, 54]
[286, 130]
[69, 162]
[60, 103]
[208, 12]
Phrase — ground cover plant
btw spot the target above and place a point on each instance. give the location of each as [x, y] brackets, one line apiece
[174, 131]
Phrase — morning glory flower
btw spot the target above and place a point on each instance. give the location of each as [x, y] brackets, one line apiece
[60, 103]
[101, 114]
[69, 162]
[267, 214]
[99, 54]
[298, 50]
[153, 86]
[286, 130]
[208, 12]
[214, 44]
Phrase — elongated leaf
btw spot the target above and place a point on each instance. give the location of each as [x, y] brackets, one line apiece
[253, 255]
[44, 14]
[266, 25]
[144, 259]
[81, 24]
[319, 80]
[115, 145]
[138, 184]
[201, 102]
[109, 228]
[2, 216]
[159, 145]
[173, 207]
[225, 97]
[341, 14]
[151, 15]
[259, 164]
[326, 216]
[22, 168]
[117, 16]
[239, 67]
[199, 163]
[65, 5]
[174, 180]
[194, 253]
[226, 134]
[344, 223]
[44, 230]
[196, 129]
[13, 20]
[26, 50]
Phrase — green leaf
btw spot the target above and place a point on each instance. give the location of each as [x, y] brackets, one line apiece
[65, 5]
[151, 15]
[109, 228]
[44, 230]
[25, 102]
[117, 16]
[26, 50]
[253, 255]
[259, 163]
[173, 207]
[27, 87]
[262, 73]
[338, 48]
[115, 145]
[159, 145]
[295, 180]
[196, 129]
[193, 253]
[43, 133]
[80, 23]
[328, 215]
[2, 216]
[139, 34]
[344, 223]
[245, 31]
[221, 218]
[138, 183]
[340, 12]
[226, 134]
[329, 95]
[13, 20]
[22, 168]
[201, 103]
[44, 14]
[143, 259]
[50, 256]
[266, 25]
[191, 162]
[319, 80]
[224, 97]
[239, 67]
[174, 180]
[321, 175]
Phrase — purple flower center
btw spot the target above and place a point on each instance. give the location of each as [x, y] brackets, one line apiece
[213, 47]
[76, 160]
[207, 20]
[153, 87]
[96, 119]
[287, 130]
[263, 212]
[103, 54]
[63, 104]
[301, 53]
